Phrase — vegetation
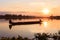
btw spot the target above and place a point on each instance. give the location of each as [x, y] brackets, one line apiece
[13, 16]
[55, 17]
[13, 38]
[37, 36]
[45, 36]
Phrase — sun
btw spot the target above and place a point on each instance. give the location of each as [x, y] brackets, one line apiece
[45, 11]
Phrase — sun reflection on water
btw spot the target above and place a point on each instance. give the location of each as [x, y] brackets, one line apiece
[45, 24]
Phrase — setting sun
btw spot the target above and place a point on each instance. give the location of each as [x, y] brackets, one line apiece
[45, 11]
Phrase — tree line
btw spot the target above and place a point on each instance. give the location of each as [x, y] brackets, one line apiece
[13, 16]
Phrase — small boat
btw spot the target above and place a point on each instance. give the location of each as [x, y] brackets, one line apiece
[25, 23]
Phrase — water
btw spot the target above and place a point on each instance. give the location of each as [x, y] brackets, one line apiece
[47, 26]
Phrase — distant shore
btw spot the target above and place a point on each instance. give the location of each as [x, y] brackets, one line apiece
[10, 16]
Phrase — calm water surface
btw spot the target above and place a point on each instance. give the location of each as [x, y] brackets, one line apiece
[47, 26]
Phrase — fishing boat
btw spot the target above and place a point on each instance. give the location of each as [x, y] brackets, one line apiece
[25, 23]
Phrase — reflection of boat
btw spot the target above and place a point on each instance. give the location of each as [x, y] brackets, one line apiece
[23, 23]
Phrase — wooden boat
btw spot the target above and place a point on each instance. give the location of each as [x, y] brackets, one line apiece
[25, 23]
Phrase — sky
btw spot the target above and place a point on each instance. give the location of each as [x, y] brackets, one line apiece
[30, 5]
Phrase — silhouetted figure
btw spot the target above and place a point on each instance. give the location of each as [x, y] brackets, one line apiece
[10, 22]
[10, 26]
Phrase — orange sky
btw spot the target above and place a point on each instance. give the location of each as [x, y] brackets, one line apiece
[31, 6]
